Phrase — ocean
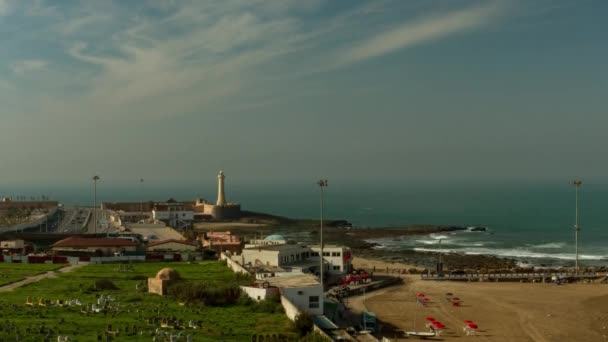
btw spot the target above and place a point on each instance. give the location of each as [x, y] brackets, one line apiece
[532, 222]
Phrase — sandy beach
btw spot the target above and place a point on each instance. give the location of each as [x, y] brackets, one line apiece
[504, 311]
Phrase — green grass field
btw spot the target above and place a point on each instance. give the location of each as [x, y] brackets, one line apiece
[135, 308]
[10, 273]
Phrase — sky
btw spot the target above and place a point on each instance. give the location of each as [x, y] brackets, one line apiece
[291, 90]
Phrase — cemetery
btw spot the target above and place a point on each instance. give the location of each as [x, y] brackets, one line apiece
[111, 302]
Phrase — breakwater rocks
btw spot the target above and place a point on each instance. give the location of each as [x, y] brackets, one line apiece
[451, 261]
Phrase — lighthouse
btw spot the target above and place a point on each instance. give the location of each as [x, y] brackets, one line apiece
[221, 198]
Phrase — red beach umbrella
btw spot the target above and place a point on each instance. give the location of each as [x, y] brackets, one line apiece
[430, 319]
[472, 326]
[420, 295]
[468, 321]
[425, 299]
[455, 303]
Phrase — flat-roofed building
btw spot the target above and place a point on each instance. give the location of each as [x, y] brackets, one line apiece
[275, 255]
[338, 258]
[15, 247]
[222, 242]
[175, 214]
[302, 290]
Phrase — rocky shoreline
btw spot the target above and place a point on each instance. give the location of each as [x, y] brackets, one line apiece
[340, 232]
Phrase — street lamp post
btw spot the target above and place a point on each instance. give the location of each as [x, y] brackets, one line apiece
[95, 179]
[141, 205]
[322, 184]
[440, 262]
[577, 183]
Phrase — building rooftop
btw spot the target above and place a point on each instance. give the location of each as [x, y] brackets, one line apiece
[275, 237]
[275, 247]
[328, 246]
[76, 241]
[299, 280]
[183, 242]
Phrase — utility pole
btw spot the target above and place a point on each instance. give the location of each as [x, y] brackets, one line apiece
[322, 184]
[95, 179]
[577, 183]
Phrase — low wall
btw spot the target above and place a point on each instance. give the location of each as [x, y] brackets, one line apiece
[114, 259]
[290, 309]
[33, 259]
[361, 289]
[258, 294]
[235, 266]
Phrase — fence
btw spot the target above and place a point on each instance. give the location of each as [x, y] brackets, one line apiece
[34, 259]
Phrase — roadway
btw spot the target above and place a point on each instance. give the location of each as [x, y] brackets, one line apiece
[73, 219]
[79, 220]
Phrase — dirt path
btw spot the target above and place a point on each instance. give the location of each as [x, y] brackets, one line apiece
[38, 277]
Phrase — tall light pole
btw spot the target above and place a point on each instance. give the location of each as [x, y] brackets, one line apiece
[95, 179]
[141, 205]
[322, 184]
[577, 183]
[440, 262]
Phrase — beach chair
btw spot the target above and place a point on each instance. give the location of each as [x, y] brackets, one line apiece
[469, 328]
[436, 327]
[29, 301]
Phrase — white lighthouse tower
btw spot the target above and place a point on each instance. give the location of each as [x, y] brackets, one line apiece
[221, 198]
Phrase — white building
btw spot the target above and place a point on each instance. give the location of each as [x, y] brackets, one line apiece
[274, 255]
[338, 259]
[301, 290]
[176, 214]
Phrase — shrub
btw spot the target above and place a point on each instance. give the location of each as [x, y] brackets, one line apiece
[104, 284]
[244, 279]
[268, 306]
[245, 300]
[314, 337]
[303, 324]
[209, 294]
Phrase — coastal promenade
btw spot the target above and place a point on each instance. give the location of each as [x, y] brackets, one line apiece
[510, 276]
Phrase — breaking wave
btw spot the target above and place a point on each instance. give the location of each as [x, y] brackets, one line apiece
[513, 253]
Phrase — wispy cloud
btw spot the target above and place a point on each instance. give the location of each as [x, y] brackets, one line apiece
[6, 86]
[6, 7]
[28, 65]
[169, 57]
[419, 31]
